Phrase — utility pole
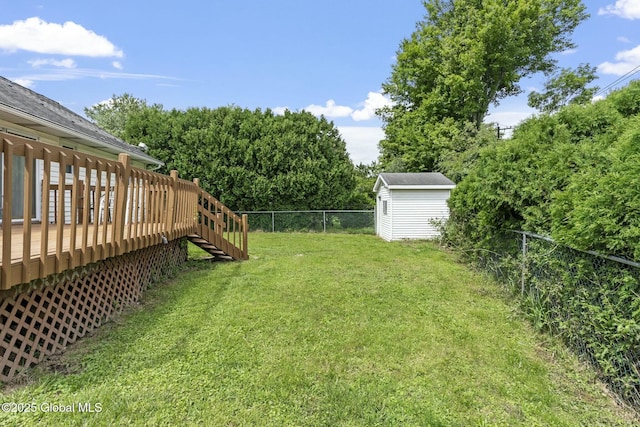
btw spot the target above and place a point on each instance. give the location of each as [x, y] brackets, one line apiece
[498, 129]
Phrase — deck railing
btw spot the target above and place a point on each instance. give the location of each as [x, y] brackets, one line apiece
[94, 208]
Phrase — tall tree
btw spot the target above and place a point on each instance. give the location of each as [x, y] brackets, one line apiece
[365, 175]
[464, 56]
[112, 115]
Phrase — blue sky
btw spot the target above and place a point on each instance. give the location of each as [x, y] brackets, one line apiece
[328, 57]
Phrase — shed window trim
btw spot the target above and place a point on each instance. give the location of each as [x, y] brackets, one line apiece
[384, 207]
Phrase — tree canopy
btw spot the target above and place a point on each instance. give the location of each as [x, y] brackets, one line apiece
[566, 87]
[464, 56]
[252, 160]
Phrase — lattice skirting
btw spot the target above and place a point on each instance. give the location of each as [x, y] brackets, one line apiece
[62, 308]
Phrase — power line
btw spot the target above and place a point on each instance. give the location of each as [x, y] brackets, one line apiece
[619, 80]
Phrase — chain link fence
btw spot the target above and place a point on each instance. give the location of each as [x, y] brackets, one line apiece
[329, 221]
[590, 300]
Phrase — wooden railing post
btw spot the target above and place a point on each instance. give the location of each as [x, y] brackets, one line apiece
[62, 179]
[199, 220]
[75, 192]
[121, 202]
[245, 239]
[44, 232]
[172, 205]
[27, 210]
[86, 194]
[7, 149]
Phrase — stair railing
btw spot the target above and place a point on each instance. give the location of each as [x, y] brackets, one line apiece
[221, 226]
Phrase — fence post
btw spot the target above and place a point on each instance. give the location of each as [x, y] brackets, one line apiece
[121, 201]
[273, 222]
[324, 221]
[524, 262]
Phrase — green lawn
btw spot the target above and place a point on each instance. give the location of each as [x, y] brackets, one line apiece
[322, 330]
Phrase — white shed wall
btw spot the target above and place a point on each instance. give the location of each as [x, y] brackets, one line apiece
[414, 210]
[383, 221]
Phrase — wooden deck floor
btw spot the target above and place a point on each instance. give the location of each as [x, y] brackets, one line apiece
[17, 241]
[86, 250]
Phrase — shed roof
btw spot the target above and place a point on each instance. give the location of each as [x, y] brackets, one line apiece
[416, 181]
[31, 110]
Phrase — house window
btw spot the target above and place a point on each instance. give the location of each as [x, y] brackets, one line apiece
[68, 168]
[384, 207]
[17, 187]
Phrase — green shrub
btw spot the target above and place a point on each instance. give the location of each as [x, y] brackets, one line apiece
[572, 175]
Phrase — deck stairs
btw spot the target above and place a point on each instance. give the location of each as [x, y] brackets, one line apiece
[216, 253]
[219, 231]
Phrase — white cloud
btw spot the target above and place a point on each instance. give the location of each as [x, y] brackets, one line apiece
[569, 52]
[362, 142]
[279, 111]
[36, 35]
[24, 82]
[628, 9]
[106, 103]
[374, 101]
[627, 60]
[330, 110]
[117, 65]
[623, 39]
[53, 75]
[509, 118]
[64, 63]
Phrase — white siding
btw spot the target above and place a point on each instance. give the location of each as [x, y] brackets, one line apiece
[384, 220]
[413, 212]
[54, 198]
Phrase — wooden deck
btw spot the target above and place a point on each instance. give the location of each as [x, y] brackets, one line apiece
[144, 209]
[17, 241]
[104, 237]
[99, 245]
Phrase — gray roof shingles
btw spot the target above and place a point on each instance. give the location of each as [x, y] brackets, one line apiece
[422, 178]
[39, 106]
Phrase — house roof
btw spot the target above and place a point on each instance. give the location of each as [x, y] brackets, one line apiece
[414, 181]
[31, 110]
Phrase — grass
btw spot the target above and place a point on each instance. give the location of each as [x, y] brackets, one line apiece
[321, 330]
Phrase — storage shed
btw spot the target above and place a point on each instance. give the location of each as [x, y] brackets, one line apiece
[408, 204]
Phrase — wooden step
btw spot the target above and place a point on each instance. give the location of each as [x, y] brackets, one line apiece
[217, 253]
[208, 246]
[198, 241]
[218, 259]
